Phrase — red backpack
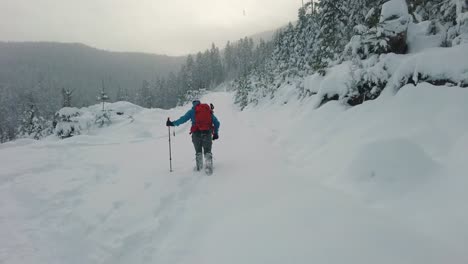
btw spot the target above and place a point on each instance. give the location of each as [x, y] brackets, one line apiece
[203, 119]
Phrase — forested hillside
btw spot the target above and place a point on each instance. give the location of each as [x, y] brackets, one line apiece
[350, 50]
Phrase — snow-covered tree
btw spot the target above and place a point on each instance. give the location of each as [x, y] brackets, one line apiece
[216, 66]
[243, 89]
[32, 125]
[331, 38]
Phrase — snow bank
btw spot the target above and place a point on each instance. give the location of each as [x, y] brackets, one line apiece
[402, 154]
[438, 65]
[17, 143]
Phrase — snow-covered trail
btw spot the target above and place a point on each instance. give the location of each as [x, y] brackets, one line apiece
[109, 198]
[260, 207]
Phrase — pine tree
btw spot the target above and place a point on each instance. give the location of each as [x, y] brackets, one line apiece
[145, 97]
[371, 35]
[103, 98]
[216, 66]
[9, 113]
[243, 89]
[66, 97]
[284, 53]
[229, 61]
[331, 38]
[161, 92]
[103, 118]
[31, 123]
[189, 66]
[171, 92]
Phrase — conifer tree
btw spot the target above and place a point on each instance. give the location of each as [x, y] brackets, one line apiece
[66, 97]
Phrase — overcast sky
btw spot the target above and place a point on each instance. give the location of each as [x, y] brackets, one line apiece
[172, 27]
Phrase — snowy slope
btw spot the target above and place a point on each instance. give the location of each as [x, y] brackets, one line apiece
[383, 182]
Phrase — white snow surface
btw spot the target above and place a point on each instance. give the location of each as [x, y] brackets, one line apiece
[383, 182]
[419, 39]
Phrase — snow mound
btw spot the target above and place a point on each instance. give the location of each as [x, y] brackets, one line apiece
[394, 9]
[337, 81]
[390, 167]
[72, 121]
[122, 106]
[68, 111]
[419, 37]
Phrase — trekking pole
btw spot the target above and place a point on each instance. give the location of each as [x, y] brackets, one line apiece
[170, 149]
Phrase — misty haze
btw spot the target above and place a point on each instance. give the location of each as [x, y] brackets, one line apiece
[218, 132]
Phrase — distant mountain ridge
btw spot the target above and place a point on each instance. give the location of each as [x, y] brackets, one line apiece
[80, 67]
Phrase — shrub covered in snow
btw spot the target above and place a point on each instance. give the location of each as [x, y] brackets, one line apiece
[68, 122]
[71, 121]
[103, 118]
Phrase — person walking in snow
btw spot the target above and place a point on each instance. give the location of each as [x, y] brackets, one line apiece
[205, 127]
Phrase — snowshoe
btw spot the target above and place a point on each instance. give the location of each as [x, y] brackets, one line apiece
[199, 161]
[208, 163]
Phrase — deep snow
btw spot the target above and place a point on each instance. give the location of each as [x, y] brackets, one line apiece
[383, 182]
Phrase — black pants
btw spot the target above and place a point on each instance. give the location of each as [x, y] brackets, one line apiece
[202, 141]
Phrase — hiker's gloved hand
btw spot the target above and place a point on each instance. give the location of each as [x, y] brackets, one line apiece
[169, 123]
[215, 136]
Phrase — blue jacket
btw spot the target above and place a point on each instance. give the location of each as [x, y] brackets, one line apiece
[190, 115]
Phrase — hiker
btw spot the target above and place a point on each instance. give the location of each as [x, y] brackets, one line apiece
[204, 129]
